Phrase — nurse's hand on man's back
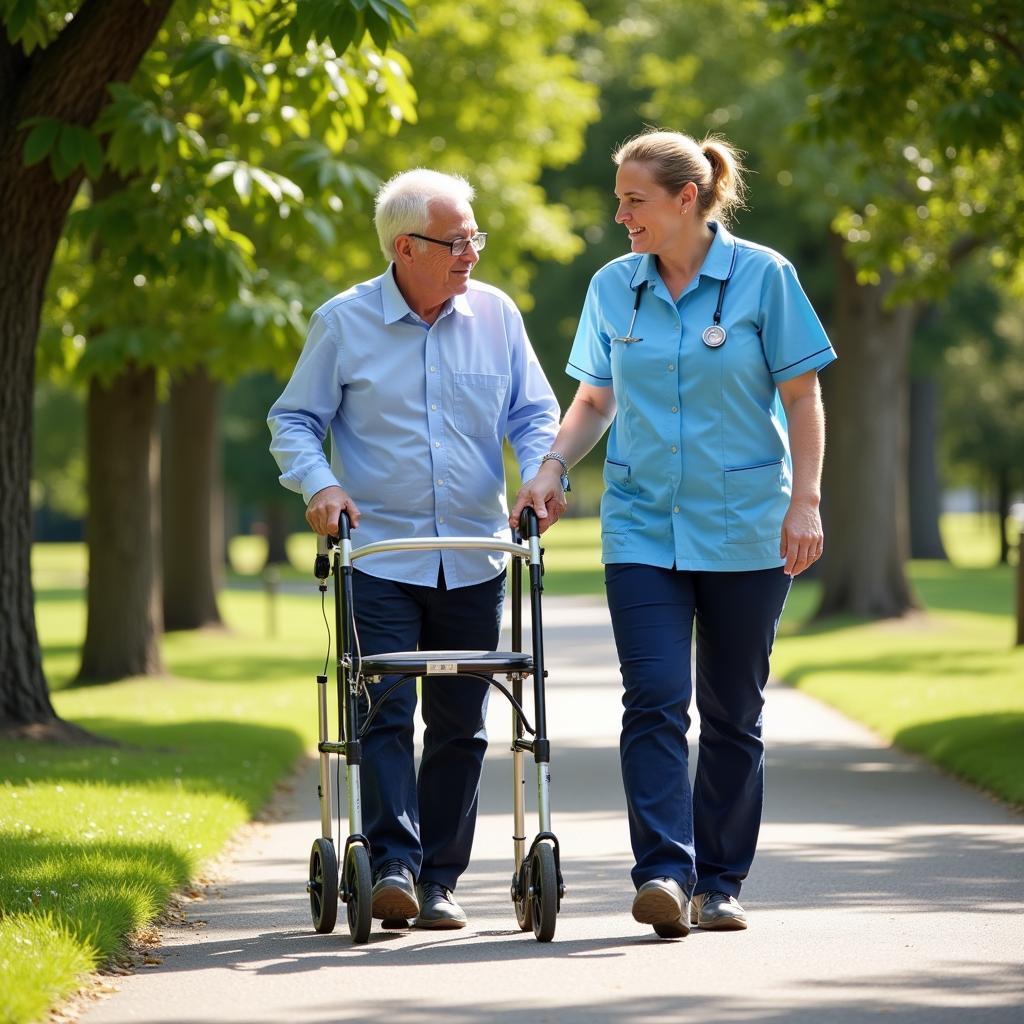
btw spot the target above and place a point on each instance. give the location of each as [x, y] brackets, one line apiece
[802, 539]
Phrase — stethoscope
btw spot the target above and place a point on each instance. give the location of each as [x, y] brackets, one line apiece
[713, 335]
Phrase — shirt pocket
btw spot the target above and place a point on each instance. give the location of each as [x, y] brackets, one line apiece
[479, 398]
[617, 500]
[756, 499]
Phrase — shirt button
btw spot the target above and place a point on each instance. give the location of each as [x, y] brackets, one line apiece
[675, 508]
[671, 366]
[437, 444]
[675, 408]
[674, 449]
[440, 483]
[440, 519]
[433, 405]
[433, 369]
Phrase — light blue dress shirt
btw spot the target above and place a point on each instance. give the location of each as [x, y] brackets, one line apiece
[417, 415]
[698, 474]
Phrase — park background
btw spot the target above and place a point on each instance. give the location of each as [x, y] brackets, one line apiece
[181, 184]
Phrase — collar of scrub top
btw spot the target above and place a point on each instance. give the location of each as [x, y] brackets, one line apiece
[719, 263]
[395, 307]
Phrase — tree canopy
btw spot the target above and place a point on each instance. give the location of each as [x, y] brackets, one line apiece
[929, 99]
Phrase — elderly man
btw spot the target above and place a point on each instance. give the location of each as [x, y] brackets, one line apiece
[419, 375]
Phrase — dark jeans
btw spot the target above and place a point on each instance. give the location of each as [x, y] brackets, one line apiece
[705, 842]
[426, 823]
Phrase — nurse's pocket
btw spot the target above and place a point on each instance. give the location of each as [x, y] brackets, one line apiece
[617, 500]
[756, 499]
[479, 398]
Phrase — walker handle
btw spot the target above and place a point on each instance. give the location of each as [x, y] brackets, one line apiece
[325, 544]
[529, 525]
[344, 527]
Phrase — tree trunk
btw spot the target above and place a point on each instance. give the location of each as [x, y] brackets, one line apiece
[925, 492]
[278, 522]
[193, 527]
[865, 477]
[24, 699]
[1020, 589]
[68, 79]
[122, 527]
[229, 520]
[1003, 495]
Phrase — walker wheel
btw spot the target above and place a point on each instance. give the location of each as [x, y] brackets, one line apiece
[521, 897]
[323, 885]
[543, 892]
[359, 892]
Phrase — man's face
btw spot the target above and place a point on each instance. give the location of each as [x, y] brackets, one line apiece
[434, 270]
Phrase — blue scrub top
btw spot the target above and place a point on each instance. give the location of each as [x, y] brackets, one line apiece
[698, 474]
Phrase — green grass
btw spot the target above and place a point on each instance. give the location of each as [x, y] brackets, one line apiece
[972, 539]
[946, 683]
[93, 840]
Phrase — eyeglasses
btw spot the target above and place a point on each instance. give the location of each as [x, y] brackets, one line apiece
[457, 246]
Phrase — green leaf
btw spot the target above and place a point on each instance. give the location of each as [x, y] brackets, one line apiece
[234, 82]
[16, 16]
[401, 11]
[67, 154]
[380, 29]
[243, 183]
[195, 54]
[40, 140]
[342, 30]
[267, 183]
[92, 153]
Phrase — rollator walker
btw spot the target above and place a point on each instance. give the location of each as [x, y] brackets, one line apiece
[537, 886]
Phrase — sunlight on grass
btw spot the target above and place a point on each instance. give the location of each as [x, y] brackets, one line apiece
[93, 840]
[41, 960]
[972, 539]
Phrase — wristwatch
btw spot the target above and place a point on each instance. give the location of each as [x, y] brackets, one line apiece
[557, 457]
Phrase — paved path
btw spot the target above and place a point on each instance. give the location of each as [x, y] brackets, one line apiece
[881, 891]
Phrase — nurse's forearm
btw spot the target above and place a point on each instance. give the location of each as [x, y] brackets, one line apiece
[584, 423]
[806, 418]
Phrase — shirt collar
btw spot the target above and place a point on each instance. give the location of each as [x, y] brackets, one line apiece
[396, 308]
[716, 263]
[719, 257]
[645, 272]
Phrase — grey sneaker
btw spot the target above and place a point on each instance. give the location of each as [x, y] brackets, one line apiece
[394, 895]
[438, 908]
[662, 903]
[717, 911]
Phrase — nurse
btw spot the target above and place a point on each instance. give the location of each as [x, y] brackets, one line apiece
[700, 351]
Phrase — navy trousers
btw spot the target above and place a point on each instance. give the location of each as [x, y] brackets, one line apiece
[704, 840]
[427, 823]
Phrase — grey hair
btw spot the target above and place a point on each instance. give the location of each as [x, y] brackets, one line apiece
[403, 203]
